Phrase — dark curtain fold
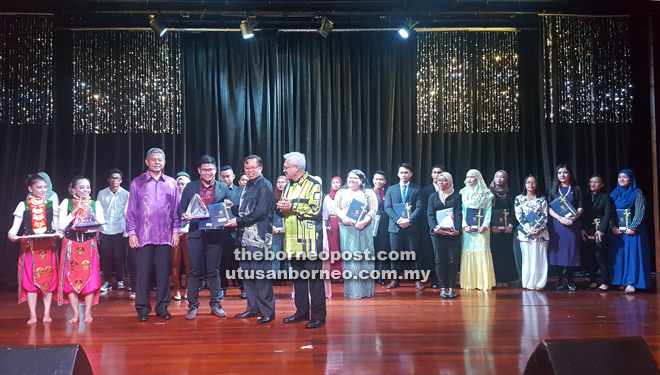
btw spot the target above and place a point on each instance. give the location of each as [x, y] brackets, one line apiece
[230, 98]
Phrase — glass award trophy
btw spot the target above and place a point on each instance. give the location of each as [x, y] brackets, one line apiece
[196, 208]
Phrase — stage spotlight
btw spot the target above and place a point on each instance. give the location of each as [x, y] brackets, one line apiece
[405, 30]
[156, 26]
[326, 27]
[246, 29]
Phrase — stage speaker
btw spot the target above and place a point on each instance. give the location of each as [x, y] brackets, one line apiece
[602, 356]
[44, 360]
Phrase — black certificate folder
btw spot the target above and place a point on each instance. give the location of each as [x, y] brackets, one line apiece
[474, 217]
[220, 214]
[500, 218]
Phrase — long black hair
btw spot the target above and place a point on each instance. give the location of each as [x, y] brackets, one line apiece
[555, 181]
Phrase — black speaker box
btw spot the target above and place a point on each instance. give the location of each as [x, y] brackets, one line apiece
[44, 360]
[601, 356]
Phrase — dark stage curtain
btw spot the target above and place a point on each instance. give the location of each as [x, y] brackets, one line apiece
[346, 102]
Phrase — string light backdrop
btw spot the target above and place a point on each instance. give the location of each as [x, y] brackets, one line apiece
[467, 82]
[586, 63]
[26, 70]
[126, 82]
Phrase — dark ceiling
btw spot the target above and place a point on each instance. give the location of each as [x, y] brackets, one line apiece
[306, 14]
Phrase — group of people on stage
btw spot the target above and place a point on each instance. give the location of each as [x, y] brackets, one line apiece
[295, 218]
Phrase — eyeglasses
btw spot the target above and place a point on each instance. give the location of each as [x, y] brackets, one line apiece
[208, 170]
[114, 178]
[290, 166]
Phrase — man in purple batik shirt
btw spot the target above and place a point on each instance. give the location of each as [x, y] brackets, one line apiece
[153, 227]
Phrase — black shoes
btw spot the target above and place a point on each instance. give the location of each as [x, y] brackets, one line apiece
[266, 319]
[143, 317]
[165, 315]
[381, 282]
[315, 323]
[248, 314]
[571, 286]
[393, 285]
[295, 318]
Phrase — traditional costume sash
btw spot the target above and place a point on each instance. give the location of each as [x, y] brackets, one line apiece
[78, 263]
[42, 263]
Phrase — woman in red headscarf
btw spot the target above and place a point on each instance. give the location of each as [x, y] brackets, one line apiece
[331, 223]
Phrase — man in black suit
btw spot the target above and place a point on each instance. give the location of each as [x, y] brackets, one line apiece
[382, 237]
[229, 262]
[204, 244]
[404, 233]
[427, 260]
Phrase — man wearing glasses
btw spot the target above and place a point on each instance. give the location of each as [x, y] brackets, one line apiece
[204, 244]
[113, 199]
[300, 206]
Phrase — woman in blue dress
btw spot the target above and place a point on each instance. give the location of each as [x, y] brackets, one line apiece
[564, 246]
[629, 255]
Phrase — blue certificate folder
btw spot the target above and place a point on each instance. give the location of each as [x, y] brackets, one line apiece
[534, 222]
[278, 221]
[563, 207]
[220, 214]
[205, 224]
[357, 210]
[474, 217]
[500, 218]
[623, 218]
[403, 210]
[445, 218]
[375, 225]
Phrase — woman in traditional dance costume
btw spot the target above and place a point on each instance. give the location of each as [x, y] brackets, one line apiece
[79, 260]
[37, 262]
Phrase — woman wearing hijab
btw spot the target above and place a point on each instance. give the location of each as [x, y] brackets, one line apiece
[564, 246]
[501, 241]
[446, 241]
[629, 255]
[331, 223]
[476, 260]
[357, 237]
[278, 233]
[534, 248]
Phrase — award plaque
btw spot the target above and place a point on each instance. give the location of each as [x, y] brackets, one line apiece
[197, 209]
[445, 219]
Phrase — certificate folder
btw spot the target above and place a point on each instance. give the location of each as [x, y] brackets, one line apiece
[563, 207]
[624, 218]
[357, 210]
[445, 218]
[534, 222]
[278, 221]
[375, 225]
[500, 218]
[591, 231]
[403, 210]
[220, 214]
[474, 217]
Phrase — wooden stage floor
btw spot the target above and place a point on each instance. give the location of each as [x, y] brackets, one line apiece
[395, 332]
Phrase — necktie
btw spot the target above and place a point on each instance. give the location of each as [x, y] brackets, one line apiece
[403, 195]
